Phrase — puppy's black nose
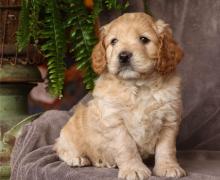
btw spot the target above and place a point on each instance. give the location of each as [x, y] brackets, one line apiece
[124, 57]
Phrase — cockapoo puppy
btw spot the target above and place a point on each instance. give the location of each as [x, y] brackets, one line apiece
[136, 109]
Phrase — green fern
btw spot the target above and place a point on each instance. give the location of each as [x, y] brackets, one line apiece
[83, 35]
[84, 39]
[29, 23]
[43, 23]
[97, 9]
[54, 47]
[23, 33]
[114, 4]
[35, 30]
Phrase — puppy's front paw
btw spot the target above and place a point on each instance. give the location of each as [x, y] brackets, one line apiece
[78, 161]
[169, 170]
[134, 172]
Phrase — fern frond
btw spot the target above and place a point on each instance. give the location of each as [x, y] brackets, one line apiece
[35, 30]
[115, 4]
[23, 33]
[83, 38]
[54, 47]
[43, 21]
[97, 9]
[83, 34]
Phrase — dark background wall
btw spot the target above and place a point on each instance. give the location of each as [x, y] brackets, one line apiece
[196, 26]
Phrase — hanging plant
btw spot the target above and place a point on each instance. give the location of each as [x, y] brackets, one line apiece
[54, 24]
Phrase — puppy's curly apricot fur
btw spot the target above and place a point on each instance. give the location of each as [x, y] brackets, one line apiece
[136, 109]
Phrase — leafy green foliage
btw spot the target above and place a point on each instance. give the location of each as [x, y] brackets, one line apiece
[45, 24]
[83, 34]
[34, 14]
[54, 47]
[115, 4]
[23, 34]
[83, 37]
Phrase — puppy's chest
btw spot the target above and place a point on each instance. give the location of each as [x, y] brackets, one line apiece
[144, 119]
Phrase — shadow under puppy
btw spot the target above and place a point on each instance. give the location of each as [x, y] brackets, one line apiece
[136, 110]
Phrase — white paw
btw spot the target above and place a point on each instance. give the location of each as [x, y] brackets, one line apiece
[78, 161]
[102, 164]
[134, 172]
[169, 170]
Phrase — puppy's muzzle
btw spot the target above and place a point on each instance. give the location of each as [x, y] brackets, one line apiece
[124, 57]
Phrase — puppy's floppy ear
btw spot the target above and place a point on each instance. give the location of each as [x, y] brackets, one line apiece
[99, 55]
[169, 53]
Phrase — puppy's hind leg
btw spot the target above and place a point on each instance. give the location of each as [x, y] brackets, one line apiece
[69, 153]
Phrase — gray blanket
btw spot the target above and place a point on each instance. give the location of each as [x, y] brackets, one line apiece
[34, 159]
[196, 25]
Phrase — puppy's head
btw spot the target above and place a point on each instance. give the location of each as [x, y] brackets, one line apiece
[134, 45]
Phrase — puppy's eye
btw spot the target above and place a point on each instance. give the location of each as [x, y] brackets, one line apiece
[114, 41]
[144, 40]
